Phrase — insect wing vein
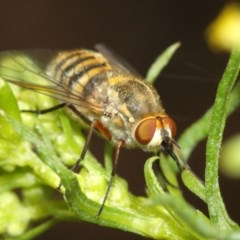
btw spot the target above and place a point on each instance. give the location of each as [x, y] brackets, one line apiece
[23, 70]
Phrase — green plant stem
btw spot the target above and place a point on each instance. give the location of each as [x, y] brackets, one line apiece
[217, 211]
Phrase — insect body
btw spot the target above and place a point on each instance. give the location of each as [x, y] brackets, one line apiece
[123, 107]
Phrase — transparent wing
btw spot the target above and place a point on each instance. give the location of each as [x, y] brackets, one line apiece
[27, 66]
[116, 60]
[28, 69]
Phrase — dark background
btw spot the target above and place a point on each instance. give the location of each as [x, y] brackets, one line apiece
[138, 30]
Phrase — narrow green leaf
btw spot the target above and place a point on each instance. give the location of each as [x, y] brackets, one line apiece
[8, 104]
[217, 211]
[152, 182]
[161, 62]
[194, 184]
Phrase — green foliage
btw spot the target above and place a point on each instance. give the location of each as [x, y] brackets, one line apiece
[35, 150]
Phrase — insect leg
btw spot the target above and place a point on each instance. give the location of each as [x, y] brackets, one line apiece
[116, 156]
[43, 111]
[76, 166]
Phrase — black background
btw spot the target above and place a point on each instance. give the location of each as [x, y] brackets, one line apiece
[138, 30]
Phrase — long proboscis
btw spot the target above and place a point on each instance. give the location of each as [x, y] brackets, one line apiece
[174, 147]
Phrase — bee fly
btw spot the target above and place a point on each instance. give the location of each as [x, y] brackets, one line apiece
[110, 97]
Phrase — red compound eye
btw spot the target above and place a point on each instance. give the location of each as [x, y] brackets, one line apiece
[168, 122]
[145, 130]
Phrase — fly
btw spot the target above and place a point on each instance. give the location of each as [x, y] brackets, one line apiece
[107, 94]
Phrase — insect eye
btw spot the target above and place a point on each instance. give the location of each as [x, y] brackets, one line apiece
[145, 130]
[171, 124]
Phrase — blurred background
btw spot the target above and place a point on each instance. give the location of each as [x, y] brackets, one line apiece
[138, 31]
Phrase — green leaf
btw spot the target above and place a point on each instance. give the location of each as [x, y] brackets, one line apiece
[161, 62]
[194, 184]
[8, 104]
[217, 211]
[152, 182]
